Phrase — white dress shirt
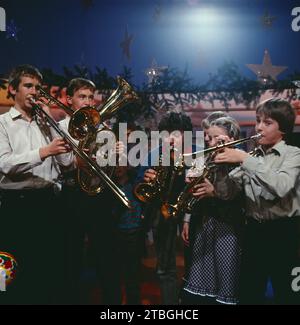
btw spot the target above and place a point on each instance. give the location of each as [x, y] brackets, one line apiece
[21, 166]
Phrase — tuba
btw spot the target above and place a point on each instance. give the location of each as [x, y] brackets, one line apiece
[91, 143]
[84, 127]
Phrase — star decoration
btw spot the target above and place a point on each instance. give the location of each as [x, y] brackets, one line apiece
[125, 44]
[157, 13]
[154, 71]
[266, 70]
[267, 20]
[12, 30]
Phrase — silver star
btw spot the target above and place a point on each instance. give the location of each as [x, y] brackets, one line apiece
[125, 44]
[12, 30]
[266, 70]
[154, 71]
[267, 20]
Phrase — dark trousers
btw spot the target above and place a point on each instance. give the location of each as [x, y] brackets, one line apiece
[31, 231]
[270, 251]
[91, 216]
[130, 247]
[164, 235]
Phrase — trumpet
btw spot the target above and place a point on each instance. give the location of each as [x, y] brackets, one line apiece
[92, 165]
[224, 145]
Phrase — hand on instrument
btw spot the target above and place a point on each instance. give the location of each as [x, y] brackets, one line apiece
[205, 189]
[56, 147]
[149, 175]
[119, 148]
[230, 155]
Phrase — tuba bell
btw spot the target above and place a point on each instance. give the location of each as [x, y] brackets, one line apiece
[87, 120]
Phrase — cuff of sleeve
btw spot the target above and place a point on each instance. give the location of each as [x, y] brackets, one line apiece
[36, 158]
[187, 217]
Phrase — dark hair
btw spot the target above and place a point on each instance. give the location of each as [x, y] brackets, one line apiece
[279, 110]
[229, 124]
[175, 121]
[211, 117]
[24, 70]
[78, 83]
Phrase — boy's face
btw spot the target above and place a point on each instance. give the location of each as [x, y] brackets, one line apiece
[269, 129]
[81, 98]
[27, 88]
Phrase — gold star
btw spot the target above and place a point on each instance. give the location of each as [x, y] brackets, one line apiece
[125, 44]
[266, 70]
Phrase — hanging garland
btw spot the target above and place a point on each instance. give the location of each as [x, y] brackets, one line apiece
[175, 87]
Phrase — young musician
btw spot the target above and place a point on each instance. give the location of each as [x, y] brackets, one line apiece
[165, 230]
[30, 162]
[270, 183]
[212, 275]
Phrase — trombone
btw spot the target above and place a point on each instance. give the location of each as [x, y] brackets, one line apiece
[93, 166]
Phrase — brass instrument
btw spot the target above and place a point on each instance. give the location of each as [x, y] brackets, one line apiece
[83, 122]
[92, 165]
[84, 126]
[146, 192]
[223, 145]
[123, 95]
[162, 185]
[186, 200]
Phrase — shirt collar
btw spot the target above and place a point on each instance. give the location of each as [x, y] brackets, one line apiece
[14, 113]
[279, 148]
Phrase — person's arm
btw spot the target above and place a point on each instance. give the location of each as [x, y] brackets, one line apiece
[278, 182]
[186, 229]
[12, 163]
[15, 163]
[65, 159]
[227, 184]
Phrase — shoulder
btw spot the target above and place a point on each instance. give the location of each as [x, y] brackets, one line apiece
[293, 150]
[5, 118]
